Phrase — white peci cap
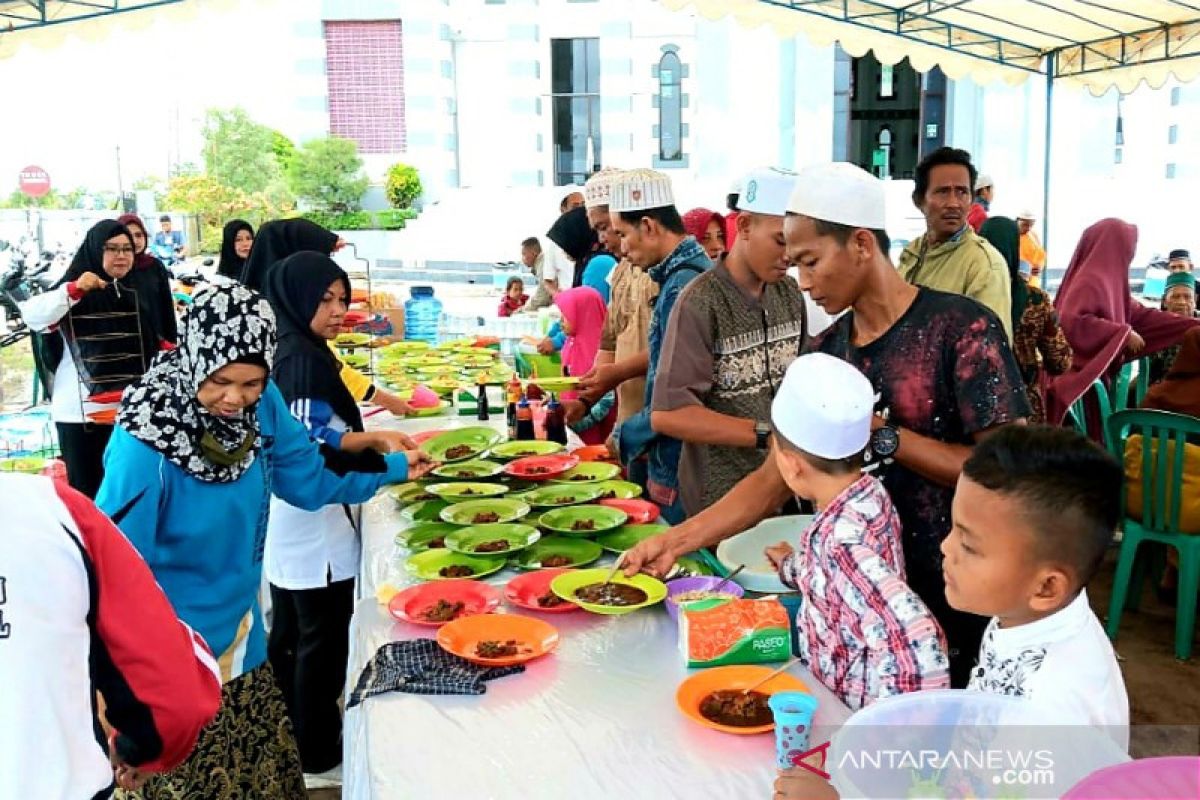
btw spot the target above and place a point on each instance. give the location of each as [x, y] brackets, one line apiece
[1027, 214]
[983, 182]
[767, 191]
[640, 189]
[598, 189]
[824, 407]
[841, 193]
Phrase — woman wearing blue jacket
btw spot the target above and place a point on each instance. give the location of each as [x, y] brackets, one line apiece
[202, 442]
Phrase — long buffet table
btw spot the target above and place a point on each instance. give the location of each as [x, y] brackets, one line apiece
[594, 719]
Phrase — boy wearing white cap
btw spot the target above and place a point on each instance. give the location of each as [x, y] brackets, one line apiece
[862, 631]
[642, 210]
[940, 363]
[950, 256]
[985, 190]
[731, 337]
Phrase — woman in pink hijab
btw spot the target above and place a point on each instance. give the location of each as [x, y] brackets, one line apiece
[1104, 324]
[583, 313]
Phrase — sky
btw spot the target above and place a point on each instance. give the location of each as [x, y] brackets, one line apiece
[143, 87]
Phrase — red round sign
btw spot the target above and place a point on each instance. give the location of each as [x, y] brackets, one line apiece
[34, 181]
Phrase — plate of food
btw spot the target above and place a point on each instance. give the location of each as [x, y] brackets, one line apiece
[29, 465]
[405, 494]
[443, 601]
[352, 340]
[641, 512]
[558, 551]
[440, 565]
[682, 591]
[498, 640]
[540, 468]
[424, 510]
[469, 470]
[356, 360]
[555, 496]
[532, 591]
[627, 536]
[715, 698]
[555, 384]
[585, 520]
[425, 536]
[589, 472]
[462, 444]
[619, 490]
[442, 407]
[496, 539]
[484, 512]
[689, 567]
[587, 589]
[445, 385]
[593, 452]
[523, 449]
[466, 490]
[748, 548]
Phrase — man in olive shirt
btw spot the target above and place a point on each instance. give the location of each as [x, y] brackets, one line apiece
[731, 337]
[950, 256]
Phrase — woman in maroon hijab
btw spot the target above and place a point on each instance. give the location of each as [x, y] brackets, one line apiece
[1104, 324]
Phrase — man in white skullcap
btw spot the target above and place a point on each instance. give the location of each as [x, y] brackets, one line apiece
[630, 301]
[950, 256]
[862, 631]
[599, 268]
[731, 337]
[939, 362]
[642, 210]
[985, 190]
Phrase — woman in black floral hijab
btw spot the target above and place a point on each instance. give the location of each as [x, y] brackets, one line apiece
[202, 442]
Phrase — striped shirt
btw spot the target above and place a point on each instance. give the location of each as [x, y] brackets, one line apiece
[862, 632]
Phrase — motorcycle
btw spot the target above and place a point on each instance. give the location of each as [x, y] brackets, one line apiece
[26, 275]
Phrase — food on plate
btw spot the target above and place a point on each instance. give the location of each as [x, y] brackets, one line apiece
[550, 600]
[702, 594]
[556, 561]
[580, 477]
[485, 517]
[584, 525]
[464, 473]
[608, 495]
[494, 546]
[442, 611]
[564, 500]
[737, 708]
[469, 491]
[494, 648]
[459, 450]
[438, 542]
[611, 594]
[537, 471]
[456, 571]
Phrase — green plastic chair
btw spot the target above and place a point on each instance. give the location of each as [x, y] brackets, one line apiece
[1079, 414]
[1163, 438]
[1126, 377]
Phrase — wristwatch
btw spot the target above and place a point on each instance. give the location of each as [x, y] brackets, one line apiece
[762, 433]
[885, 441]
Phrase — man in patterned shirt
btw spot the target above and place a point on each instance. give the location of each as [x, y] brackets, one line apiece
[862, 632]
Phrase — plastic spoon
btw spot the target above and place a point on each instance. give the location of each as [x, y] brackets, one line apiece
[794, 661]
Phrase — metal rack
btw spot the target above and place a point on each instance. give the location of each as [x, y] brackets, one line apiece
[96, 373]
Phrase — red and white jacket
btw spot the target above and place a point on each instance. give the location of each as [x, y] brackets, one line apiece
[80, 612]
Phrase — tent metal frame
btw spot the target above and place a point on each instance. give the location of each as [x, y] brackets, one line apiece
[16, 15]
[918, 22]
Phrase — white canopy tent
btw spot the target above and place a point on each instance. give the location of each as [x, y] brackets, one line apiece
[1093, 44]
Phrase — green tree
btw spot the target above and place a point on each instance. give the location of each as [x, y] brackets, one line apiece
[403, 185]
[238, 151]
[327, 174]
[283, 148]
[18, 199]
[214, 203]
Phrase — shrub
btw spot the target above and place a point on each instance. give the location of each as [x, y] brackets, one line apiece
[403, 185]
[327, 173]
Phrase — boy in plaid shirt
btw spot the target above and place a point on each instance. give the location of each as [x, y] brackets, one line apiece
[862, 631]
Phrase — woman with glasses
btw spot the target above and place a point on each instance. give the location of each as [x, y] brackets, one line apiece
[99, 331]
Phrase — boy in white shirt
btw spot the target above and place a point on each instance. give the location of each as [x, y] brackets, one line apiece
[1033, 513]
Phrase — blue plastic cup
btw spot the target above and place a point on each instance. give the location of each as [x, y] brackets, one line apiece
[793, 719]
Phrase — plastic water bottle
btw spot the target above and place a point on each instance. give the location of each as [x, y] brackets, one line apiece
[422, 311]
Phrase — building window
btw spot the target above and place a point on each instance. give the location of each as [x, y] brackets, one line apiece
[670, 108]
[1174, 95]
[1170, 172]
[575, 90]
[887, 82]
[1172, 134]
[364, 64]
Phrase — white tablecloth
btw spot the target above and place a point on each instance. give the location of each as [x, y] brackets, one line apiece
[595, 719]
